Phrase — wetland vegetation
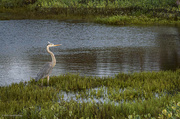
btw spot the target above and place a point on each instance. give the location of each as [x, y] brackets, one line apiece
[116, 12]
[133, 95]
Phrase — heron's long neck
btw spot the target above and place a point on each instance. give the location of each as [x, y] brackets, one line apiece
[52, 56]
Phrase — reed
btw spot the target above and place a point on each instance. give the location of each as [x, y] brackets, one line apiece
[145, 94]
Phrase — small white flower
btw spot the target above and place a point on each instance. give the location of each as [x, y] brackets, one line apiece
[70, 113]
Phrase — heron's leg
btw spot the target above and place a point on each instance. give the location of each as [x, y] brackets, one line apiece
[42, 81]
[48, 80]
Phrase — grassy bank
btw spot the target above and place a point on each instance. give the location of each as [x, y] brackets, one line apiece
[145, 95]
[138, 20]
[116, 12]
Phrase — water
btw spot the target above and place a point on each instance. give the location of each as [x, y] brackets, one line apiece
[87, 48]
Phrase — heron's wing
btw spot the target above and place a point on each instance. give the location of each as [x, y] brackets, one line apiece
[44, 71]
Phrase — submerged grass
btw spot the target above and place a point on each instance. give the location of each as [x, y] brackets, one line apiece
[145, 94]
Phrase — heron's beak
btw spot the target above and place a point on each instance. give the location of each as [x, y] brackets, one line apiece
[57, 44]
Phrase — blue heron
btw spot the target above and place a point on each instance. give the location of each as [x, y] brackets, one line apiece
[47, 68]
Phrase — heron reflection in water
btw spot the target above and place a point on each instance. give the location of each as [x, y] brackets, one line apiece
[47, 68]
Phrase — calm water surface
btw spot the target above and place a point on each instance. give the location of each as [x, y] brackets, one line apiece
[88, 49]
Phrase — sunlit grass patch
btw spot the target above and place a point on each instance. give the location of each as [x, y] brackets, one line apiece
[171, 111]
[137, 20]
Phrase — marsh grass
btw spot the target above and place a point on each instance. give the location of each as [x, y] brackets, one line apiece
[114, 12]
[138, 20]
[89, 3]
[75, 96]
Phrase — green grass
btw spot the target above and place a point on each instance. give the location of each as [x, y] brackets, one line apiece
[114, 12]
[89, 3]
[138, 20]
[73, 96]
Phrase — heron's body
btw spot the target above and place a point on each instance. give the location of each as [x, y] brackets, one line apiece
[47, 68]
[45, 71]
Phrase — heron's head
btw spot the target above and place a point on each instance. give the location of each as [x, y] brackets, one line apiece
[52, 45]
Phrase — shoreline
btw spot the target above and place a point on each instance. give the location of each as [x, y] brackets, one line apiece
[124, 17]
